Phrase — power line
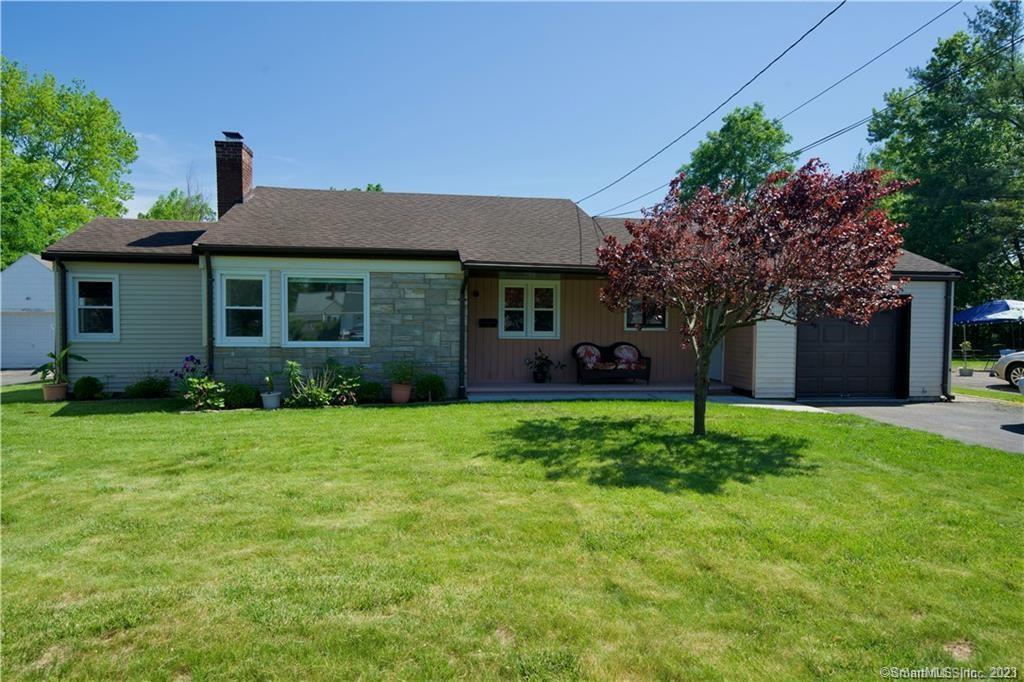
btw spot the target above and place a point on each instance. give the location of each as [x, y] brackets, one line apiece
[928, 86]
[845, 129]
[875, 58]
[716, 109]
[811, 99]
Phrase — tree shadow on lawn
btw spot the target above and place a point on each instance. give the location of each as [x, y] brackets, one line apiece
[647, 452]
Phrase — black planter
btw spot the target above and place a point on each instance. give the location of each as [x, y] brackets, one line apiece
[540, 377]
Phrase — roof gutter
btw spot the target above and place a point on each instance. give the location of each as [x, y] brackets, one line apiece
[532, 267]
[101, 257]
[929, 276]
[317, 252]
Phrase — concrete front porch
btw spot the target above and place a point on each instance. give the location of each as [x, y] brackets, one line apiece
[677, 392]
[521, 390]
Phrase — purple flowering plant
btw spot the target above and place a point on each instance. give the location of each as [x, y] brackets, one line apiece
[191, 367]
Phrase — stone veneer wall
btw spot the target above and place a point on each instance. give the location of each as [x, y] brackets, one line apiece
[413, 316]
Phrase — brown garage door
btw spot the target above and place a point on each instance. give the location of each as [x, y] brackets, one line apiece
[836, 358]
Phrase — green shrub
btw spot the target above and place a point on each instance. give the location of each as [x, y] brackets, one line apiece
[333, 384]
[149, 387]
[204, 393]
[370, 392]
[401, 372]
[237, 396]
[428, 388]
[87, 388]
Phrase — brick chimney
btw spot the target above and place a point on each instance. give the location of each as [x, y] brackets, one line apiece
[234, 171]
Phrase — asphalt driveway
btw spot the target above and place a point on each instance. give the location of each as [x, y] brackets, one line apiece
[17, 376]
[997, 424]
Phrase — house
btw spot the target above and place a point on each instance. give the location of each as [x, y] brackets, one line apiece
[26, 312]
[466, 286]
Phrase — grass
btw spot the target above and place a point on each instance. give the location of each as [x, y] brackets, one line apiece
[976, 364]
[558, 540]
[1008, 395]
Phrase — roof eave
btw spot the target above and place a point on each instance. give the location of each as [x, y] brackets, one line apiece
[531, 267]
[111, 257]
[936, 276]
[322, 252]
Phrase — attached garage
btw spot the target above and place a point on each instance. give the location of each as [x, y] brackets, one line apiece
[838, 359]
[902, 353]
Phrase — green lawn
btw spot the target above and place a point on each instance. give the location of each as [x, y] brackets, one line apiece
[557, 540]
[1009, 396]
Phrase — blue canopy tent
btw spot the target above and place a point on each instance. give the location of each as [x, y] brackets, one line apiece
[993, 312]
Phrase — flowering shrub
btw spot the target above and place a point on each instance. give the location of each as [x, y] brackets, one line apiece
[191, 367]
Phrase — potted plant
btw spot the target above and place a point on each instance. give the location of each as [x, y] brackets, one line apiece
[541, 365]
[271, 398]
[965, 348]
[55, 379]
[401, 374]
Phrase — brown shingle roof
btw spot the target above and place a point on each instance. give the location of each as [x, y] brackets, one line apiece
[477, 228]
[480, 230]
[129, 238]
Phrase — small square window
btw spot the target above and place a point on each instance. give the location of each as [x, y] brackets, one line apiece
[528, 309]
[640, 315]
[94, 317]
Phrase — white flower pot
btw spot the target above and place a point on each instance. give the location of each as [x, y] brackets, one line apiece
[271, 401]
[966, 372]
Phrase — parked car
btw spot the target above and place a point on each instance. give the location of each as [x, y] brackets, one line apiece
[1010, 368]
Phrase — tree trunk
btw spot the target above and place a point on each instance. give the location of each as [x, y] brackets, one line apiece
[700, 391]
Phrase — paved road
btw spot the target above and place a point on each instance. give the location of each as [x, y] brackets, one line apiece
[16, 376]
[997, 424]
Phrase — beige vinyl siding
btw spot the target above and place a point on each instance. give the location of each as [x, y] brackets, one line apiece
[160, 322]
[739, 358]
[775, 360]
[927, 338]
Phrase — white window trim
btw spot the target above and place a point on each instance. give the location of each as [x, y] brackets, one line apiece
[73, 280]
[220, 319]
[632, 328]
[529, 285]
[325, 274]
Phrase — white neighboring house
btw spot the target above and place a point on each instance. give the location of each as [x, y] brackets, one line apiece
[26, 306]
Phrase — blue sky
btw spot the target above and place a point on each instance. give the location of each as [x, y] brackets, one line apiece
[511, 99]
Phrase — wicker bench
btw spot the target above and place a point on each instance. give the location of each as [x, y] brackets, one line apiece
[617, 362]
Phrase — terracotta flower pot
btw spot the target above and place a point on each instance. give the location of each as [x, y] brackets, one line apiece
[400, 393]
[53, 392]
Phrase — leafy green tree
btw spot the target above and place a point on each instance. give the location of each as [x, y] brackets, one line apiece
[370, 187]
[64, 156]
[744, 150]
[188, 204]
[963, 139]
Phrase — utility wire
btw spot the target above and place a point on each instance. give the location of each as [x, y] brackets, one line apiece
[811, 99]
[915, 93]
[716, 109]
[845, 129]
[875, 58]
